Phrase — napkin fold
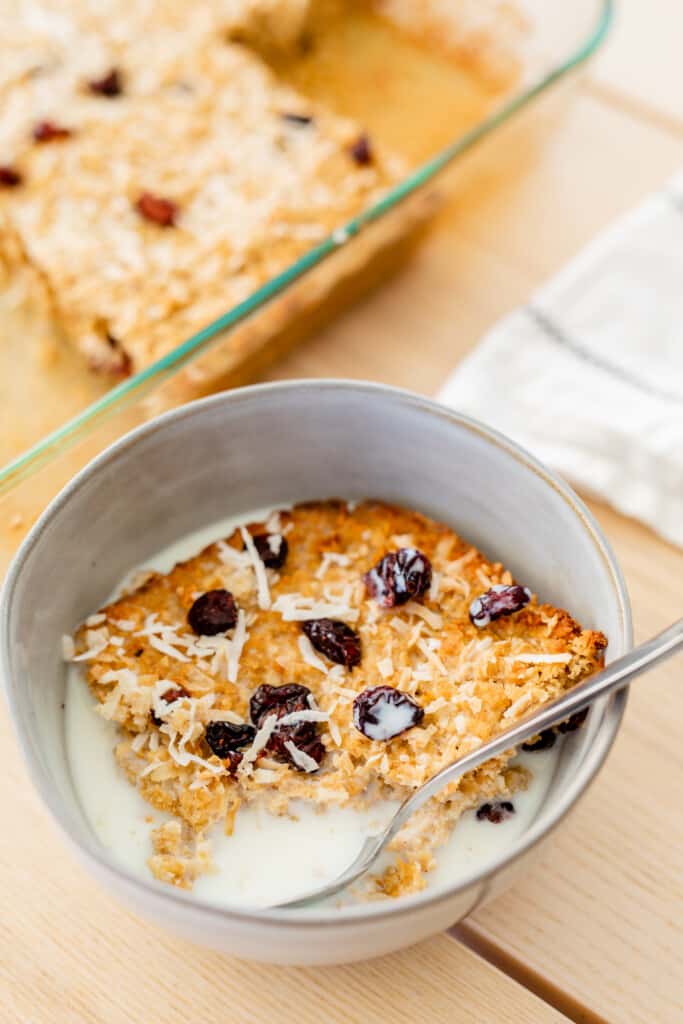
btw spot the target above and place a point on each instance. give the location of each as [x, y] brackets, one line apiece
[589, 375]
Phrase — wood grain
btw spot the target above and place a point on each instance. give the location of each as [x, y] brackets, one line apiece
[68, 953]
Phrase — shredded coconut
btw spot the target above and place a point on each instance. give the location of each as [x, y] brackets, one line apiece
[309, 655]
[300, 758]
[542, 659]
[239, 639]
[433, 619]
[260, 573]
[297, 608]
[166, 648]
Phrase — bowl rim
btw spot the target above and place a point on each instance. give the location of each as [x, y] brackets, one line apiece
[185, 903]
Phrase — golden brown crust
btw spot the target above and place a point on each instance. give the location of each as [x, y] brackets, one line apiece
[471, 682]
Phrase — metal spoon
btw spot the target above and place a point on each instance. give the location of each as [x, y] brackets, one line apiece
[614, 677]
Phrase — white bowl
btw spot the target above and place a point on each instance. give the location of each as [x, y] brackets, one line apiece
[271, 445]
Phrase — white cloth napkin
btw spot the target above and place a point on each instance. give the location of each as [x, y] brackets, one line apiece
[589, 375]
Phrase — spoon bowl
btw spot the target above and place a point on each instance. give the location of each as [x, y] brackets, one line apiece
[615, 677]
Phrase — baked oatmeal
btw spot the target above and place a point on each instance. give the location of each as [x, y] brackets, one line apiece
[333, 655]
[162, 177]
[154, 171]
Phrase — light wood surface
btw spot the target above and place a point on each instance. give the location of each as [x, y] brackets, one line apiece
[595, 931]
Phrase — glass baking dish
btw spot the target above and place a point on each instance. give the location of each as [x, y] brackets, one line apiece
[56, 415]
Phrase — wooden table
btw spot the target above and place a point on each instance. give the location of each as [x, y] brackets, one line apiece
[592, 936]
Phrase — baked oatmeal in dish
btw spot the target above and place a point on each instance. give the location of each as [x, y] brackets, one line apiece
[334, 655]
[155, 171]
[156, 177]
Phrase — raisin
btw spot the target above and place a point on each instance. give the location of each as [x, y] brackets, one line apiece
[122, 366]
[224, 738]
[495, 813]
[173, 693]
[398, 577]
[110, 85]
[9, 176]
[281, 701]
[383, 712]
[574, 722]
[499, 600]
[300, 119]
[335, 640]
[361, 151]
[48, 131]
[544, 741]
[272, 556]
[160, 211]
[140, 651]
[213, 612]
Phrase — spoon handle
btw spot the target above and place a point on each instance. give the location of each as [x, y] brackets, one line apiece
[617, 675]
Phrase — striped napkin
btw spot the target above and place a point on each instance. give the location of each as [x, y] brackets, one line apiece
[589, 374]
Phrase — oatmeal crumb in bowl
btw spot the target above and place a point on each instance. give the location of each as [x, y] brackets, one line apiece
[329, 655]
[283, 678]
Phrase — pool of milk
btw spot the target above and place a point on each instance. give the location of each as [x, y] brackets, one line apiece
[268, 858]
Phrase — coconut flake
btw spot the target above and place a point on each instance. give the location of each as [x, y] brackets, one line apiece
[91, 652]
[259, 742]
[125, 625]
[273, 523]
[239, 639]
[96, 620]
[431, 656]
[231, 556]
[309, 655]
[297, 608]
[334, 732]
[219, 715]
[260, 574]
[68, 647]
[385, 667]
[166, 648]
[435, 586]
[433, 619]
[542, 659]
[300, 758]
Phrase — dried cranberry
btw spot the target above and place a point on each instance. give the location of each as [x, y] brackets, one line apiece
[110, 85]
[278, 700]
[213, 612]
[160, 211]
[573, 723]
[48, 131]
[398, 577]
[361, 151]
[495, 813]
[544, 741]
[272, 555]
[302, 119]
[9, 176]
[172, 694]
[281, 701]
[383, 712]
[224, 738]
[499, 600]
[335, 640]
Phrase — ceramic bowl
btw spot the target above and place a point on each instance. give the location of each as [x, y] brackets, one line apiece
[269, 445]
